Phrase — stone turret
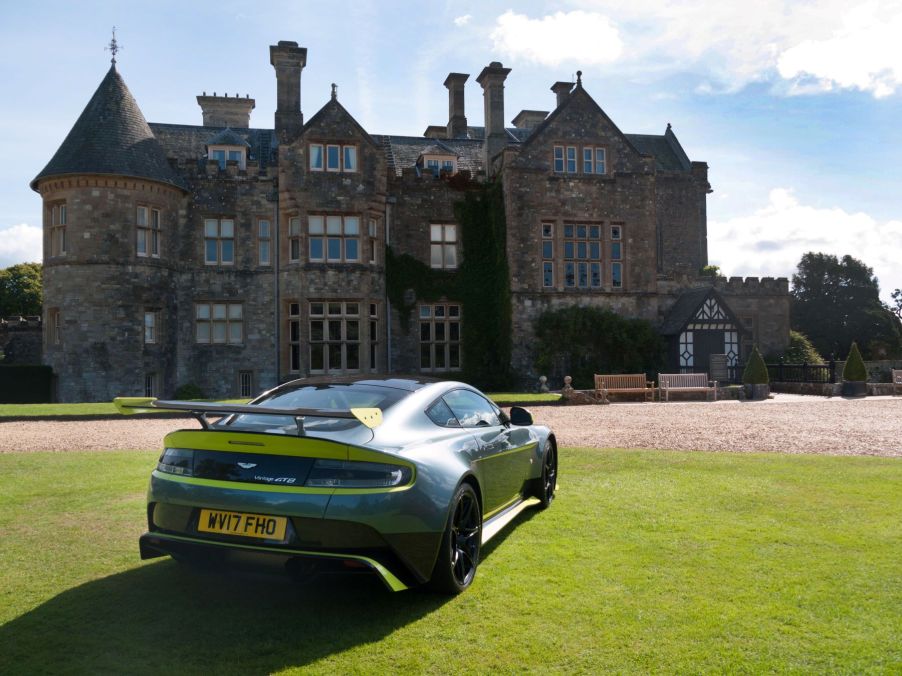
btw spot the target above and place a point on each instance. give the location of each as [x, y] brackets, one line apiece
[111, 203]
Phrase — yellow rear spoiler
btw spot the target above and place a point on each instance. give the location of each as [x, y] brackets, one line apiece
[371, 417]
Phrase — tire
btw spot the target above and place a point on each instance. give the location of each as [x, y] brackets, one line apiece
[547, 483]
[459, 552]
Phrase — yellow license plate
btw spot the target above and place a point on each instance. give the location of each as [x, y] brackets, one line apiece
[246, 525]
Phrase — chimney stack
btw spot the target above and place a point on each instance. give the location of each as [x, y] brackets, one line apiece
[492, 80]
[224, 111]
[529, 119]
[457, 119]
[289, 60]
[562, 89]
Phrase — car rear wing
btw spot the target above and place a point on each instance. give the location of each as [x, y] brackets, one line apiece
[371, 417]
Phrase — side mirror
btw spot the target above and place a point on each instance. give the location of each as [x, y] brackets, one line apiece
[520, 416]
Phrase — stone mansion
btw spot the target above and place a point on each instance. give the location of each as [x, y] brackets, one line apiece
[235, 257]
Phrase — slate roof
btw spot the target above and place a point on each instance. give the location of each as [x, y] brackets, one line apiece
[437, 148]
[684, 309]
[666, 159]
[228, 137]
[687, 306]
[111, 137]
[514, 134]
[188, 143]
[403, 151]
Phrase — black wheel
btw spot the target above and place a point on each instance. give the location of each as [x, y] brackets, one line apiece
[548, 480]
[459, 554]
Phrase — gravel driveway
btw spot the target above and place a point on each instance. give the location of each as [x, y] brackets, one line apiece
[785, 424]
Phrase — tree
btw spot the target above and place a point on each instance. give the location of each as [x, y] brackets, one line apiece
[897, 303]
[836, 302]
[799, 351]
[21, 291]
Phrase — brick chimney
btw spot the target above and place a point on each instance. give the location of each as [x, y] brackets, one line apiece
[562, 90]
[226, 111]
[457, 119]
[289, 60]
[492, 80]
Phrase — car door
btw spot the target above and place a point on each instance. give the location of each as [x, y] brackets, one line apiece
[501, 461]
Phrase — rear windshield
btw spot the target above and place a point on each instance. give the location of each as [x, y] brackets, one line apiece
[335, 396]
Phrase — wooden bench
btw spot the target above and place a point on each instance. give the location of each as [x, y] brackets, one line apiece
[896, 379]
[685, 382]
[624, 383]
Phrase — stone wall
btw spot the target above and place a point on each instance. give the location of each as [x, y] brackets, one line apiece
[421, 200]
[247, 198]
[20, 340]
[304, 193]
[681, 220]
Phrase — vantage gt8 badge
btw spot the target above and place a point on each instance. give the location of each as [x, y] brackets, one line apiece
[401, 478]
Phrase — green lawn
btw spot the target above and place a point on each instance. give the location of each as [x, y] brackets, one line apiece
[649, 561]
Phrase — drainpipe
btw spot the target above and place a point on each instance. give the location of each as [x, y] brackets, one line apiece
[274, 245]
[388, 365]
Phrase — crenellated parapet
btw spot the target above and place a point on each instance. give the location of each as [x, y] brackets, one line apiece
[17, 323]
[753, 286]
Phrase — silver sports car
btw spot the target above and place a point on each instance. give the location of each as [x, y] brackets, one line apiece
[403, 478]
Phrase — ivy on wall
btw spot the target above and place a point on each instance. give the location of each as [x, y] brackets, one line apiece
[581, 341]
[481, 284]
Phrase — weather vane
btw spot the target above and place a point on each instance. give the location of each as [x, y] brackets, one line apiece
[113, 47]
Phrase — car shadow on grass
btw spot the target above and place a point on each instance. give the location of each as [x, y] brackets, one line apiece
[161, 617]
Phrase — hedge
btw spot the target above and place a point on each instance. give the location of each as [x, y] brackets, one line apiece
[25, 384]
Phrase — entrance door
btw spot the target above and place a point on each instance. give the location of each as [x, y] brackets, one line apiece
[706, 344]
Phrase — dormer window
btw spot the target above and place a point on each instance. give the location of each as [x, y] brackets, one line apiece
[228, 146]
[223, 155]
[436, 160]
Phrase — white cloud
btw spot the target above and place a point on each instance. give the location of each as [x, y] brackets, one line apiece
[582, 38]
[20, 243]
[865, 54]
[462, 20]
[804, 47]
[771, 241]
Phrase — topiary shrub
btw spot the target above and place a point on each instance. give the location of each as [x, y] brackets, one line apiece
[755, 372]
[189, 391]
[854, 370]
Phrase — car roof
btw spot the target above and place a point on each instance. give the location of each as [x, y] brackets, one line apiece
[411, 384]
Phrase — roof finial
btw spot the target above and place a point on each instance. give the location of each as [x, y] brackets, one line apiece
[579, 78]
[334, 91]
[113, 47]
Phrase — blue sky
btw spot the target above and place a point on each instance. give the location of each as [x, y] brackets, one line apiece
[796, 107]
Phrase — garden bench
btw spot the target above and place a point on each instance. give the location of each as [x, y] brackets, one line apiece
[685, 382]
[624, 383]
[896, 380]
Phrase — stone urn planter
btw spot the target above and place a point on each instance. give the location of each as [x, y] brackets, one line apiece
[757, 392]
[854, 388]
